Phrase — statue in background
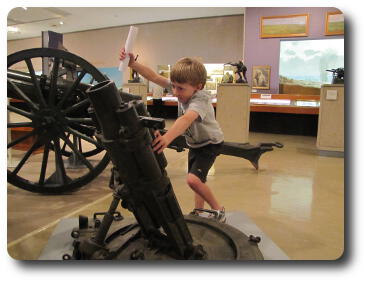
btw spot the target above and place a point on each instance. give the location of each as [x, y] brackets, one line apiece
[241, 70]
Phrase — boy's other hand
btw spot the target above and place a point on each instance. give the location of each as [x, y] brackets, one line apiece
[123, 56]
[160, 142]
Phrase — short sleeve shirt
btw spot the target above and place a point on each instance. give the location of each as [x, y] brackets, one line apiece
[205, 129]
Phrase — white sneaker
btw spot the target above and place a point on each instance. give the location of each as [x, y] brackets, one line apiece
[218, 215]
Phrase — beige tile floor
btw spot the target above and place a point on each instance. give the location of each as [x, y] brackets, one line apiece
[296, 198]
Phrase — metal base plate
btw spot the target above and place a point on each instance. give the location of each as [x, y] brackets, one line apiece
[60, 242]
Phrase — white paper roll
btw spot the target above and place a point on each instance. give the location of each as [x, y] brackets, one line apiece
[128, 47]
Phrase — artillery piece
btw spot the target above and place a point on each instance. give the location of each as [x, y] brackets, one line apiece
[50, 112]
[144, 188]
[338, 75]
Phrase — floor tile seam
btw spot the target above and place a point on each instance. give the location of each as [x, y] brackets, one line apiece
[34, 232]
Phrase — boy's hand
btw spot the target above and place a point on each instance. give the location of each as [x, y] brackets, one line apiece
[123, 56]
[160, 142]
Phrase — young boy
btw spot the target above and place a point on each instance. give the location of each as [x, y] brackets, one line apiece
[196, 121]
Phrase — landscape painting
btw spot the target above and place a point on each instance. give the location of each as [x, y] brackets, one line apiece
[284, 26]
[334, 23]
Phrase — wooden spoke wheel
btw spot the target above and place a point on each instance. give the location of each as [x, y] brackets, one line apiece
[52, 147]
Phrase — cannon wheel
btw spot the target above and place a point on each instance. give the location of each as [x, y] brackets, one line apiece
[58, 125]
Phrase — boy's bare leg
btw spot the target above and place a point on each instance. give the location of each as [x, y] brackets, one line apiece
[199, 201]
[203, 191]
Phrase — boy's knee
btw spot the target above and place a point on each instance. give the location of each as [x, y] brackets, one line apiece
[193, 181]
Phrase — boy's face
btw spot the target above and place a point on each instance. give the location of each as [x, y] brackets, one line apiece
[184, 91]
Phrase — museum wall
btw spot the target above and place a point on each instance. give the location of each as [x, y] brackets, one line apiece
[215, 40]
[265, 51]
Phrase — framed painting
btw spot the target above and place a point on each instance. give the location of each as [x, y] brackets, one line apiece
[261, 77]
[164, 70]
[334, 23]
[284, 26]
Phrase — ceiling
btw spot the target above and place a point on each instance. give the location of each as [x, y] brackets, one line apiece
[32, 21]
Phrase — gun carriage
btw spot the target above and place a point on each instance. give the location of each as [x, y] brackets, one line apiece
[55, 115]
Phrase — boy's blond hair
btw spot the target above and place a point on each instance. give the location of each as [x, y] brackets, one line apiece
[189, 70]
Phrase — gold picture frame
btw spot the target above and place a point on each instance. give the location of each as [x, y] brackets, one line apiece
[284, 26]
[334, 23]
[260, 77]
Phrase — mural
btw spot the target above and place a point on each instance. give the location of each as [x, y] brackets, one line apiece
[303, 63]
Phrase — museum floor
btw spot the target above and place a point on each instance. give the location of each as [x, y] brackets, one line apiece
[296, 198]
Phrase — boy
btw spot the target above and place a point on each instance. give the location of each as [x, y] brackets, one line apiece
[196, 121]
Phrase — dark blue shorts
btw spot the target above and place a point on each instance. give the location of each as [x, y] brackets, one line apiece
[202, 159]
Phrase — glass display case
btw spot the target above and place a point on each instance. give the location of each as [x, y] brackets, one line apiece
[285, 103]
[276, 103]
[216, 74]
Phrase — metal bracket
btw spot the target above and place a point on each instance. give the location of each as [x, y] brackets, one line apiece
[116, 215]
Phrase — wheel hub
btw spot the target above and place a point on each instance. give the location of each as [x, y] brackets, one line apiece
[50, 122]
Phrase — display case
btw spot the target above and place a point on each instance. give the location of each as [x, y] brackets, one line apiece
[285, 103]
[269, 113]
[276, 103]
[216, 73]
[140, 89]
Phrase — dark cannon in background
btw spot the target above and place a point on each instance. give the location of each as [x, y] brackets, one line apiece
[338, 75]
[244, 150]
[53, 118]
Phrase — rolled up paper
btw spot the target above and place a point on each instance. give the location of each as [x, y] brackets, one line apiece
[128, 47]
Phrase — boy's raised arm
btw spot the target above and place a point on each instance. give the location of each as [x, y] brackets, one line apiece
[145, 71]
[150, 75]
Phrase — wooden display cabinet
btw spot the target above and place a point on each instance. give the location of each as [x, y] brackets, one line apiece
[233, 111]
[330, 134]
[140, 89]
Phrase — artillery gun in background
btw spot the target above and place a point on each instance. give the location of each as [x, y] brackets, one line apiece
[338, 75]
[56, 120]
